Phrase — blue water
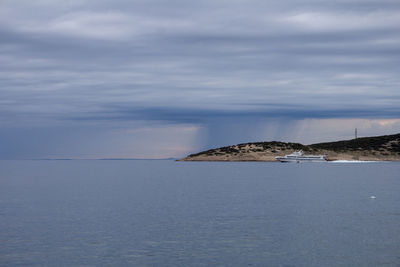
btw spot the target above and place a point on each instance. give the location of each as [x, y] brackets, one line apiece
[166, 213]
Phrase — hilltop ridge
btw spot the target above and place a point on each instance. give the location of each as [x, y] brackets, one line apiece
[376, 148]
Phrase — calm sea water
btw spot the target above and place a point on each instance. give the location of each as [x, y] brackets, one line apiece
[166, 213]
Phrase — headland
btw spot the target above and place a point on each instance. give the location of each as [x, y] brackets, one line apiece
[376, 148]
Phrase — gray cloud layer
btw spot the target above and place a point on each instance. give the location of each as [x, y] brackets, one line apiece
[197, 62]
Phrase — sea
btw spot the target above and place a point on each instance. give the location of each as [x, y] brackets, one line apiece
[169, 213]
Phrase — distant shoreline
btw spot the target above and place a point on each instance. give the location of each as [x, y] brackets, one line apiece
[105, 159]
[374, 149]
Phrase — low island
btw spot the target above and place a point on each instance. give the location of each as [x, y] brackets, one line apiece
[376, 148]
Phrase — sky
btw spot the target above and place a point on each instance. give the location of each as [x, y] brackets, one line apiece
[158, 79]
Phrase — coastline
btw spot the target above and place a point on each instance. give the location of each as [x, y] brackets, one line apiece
[373, 149]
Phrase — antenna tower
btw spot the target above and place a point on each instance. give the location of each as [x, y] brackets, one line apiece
[355, 133]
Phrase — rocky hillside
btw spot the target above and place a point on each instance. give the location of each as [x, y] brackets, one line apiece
[385, 147]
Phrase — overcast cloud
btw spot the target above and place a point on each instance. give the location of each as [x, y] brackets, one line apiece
[166, 78]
